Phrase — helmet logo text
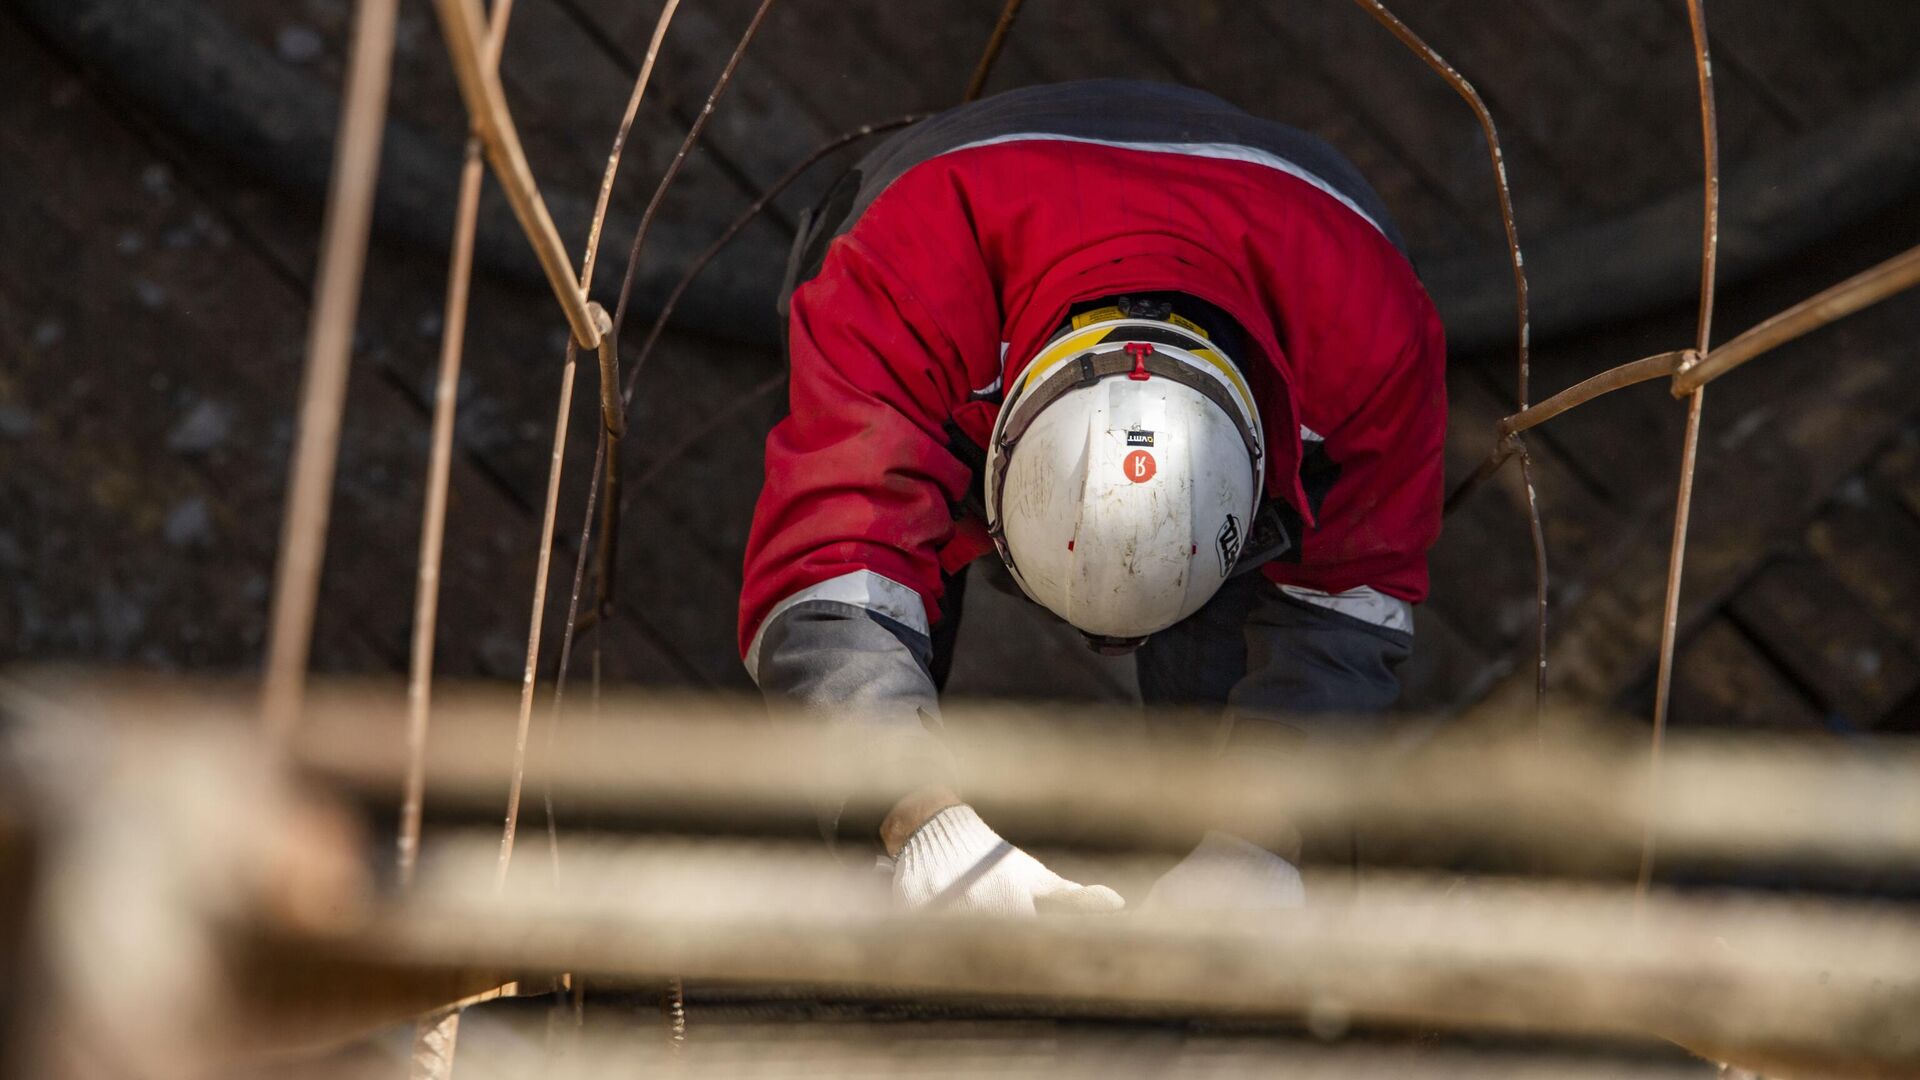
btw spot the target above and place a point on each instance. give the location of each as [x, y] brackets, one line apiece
[1139, 466]
[1229, 540]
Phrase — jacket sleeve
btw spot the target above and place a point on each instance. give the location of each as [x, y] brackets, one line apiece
[1373, 471]
[842, 581]
[1322, 649]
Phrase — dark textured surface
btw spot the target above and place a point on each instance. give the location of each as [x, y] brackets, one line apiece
[153, 300]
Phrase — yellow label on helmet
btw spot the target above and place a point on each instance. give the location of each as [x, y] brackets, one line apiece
[1186, 324]
[1088, 318]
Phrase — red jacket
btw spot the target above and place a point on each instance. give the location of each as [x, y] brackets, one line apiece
[947, 276]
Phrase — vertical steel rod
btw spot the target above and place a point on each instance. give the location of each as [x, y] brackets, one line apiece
[694, 131]
[1669, 628]
[1523, 331]
[543, 563]
[1696, 402]
[433, 517]
[323, 390]
[733, 229]
[639, 91]
[608, 559]
[436, 1035]
[604, 346]
[1523, 325]
[1538, 533]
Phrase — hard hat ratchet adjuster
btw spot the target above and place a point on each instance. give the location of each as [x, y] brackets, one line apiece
[1139, 350]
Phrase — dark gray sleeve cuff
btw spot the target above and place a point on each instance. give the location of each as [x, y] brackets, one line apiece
[1318, 664]
[857, 660]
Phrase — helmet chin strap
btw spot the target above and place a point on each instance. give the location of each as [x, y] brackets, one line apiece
[1113, 646]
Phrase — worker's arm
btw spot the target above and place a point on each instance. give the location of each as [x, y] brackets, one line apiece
[1327, 640]
[842, 582]
[843, 577]
[893, 327]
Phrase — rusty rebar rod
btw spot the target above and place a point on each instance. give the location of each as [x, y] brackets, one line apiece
[1614, 378]
[1510, 442]
[486, 104]
[323, 389]
[996, 41]
[738, 225]
[610, 416]
[1690, 370]
[606, 563]
[608, 556]
[463, 27]
[613, 413]
[1537, 533]
[1669, 626]
[640, 82]
[1710, 165]
[606, 449]
[694, 131]
[613, 427]
[1571, 959]
[717, 760]
[1696, 402]
[1048, 1054]
[575, 621]
[433, 516]
[542, 564]
[1860, 291]
[566, 647]
[1460, 85]
[436, 1035]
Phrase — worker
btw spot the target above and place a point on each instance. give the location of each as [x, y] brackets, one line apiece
[1170, 363]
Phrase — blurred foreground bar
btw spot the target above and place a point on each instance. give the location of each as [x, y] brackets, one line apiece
[1004, 1051]
[1779, 975]
[202, 901]
[1576, 798]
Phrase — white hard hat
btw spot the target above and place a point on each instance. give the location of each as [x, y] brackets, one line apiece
[1123, 475]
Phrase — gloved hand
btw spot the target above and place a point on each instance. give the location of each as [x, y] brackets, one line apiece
[1226, 873]
[956, 863]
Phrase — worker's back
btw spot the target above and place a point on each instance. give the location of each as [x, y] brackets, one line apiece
[942, 263]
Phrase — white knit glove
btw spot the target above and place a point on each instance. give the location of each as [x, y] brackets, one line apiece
[955, 863]
[1226, 873]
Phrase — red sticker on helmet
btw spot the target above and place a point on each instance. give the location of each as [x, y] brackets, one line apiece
[1139, 466]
